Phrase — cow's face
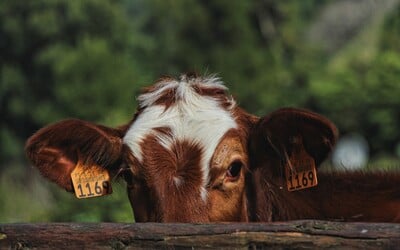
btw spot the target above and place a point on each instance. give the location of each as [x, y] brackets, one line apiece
[187, 149]
[188, 153]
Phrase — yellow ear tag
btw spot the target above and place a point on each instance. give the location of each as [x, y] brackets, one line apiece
[300, 171]
[90, 181]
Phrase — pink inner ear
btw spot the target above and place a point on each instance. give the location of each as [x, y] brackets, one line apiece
[53, 164]
[56, 149]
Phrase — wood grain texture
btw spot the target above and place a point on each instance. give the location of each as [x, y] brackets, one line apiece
[306, 234]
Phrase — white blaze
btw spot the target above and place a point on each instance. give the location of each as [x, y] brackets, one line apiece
[192, 118]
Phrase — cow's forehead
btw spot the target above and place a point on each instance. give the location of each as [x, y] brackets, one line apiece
[190, 111]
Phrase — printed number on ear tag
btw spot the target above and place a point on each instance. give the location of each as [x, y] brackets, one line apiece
[90, 181]
[302, 173]
[297, 180]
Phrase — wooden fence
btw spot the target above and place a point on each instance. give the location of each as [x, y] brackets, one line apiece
[306, 234]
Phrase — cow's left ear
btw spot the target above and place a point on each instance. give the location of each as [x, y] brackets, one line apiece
[281, 134]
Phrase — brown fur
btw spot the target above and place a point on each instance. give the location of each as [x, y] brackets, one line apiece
[162, 169]
[344, 196]
[227, 200]
[166, 187]
[56, 149]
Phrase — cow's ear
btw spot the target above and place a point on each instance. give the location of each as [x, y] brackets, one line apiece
[56, 149]
[283, 133]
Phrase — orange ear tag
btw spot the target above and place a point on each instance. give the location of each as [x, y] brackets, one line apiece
[90, 181]
[300, 171]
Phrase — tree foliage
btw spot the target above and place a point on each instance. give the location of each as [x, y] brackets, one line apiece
[62, 59]
[89, 59]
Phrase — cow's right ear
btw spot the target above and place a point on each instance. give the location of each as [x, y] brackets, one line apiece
[291, 133]
[56, 149]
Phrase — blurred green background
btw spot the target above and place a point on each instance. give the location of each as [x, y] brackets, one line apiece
[89, 59]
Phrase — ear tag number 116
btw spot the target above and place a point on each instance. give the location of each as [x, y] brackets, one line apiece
[90, 181]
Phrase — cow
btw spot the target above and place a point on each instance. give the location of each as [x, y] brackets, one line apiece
[191, 154]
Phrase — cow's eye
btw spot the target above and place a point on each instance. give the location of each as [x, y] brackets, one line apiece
[233, 171]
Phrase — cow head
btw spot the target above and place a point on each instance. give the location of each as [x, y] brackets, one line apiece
[188, 154]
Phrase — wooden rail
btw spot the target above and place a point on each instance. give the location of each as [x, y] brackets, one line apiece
[306, 234]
